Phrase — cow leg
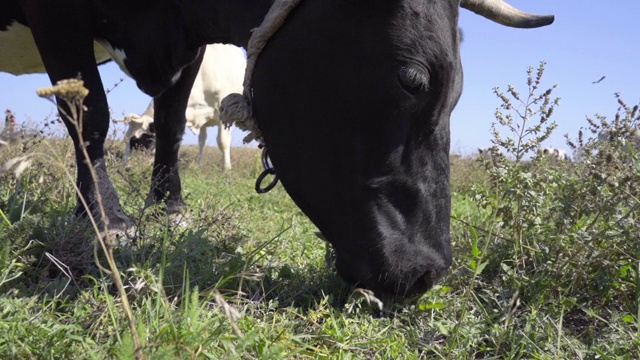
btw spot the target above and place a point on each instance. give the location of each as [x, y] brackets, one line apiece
[127, 150]
[65, 44]
[170, 120]
[132, 128]
[202, 142]
[224, 144]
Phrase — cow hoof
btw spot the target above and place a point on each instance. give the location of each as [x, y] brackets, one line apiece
[174, 213]
[182, 220]
[176, 207]
[121, 237]
[170, 206]
[121, 230]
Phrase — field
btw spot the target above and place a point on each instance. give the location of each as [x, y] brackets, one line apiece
[546, 260]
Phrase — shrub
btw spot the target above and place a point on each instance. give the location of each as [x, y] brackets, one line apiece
[566, 233]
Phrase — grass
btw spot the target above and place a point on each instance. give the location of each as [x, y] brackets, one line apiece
[247, 280]
[546, 266]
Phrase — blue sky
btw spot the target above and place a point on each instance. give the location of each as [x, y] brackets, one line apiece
[588, 40]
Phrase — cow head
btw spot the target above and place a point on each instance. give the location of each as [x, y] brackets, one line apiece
[353, 99]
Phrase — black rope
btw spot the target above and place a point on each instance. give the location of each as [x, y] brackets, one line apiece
[268, 170]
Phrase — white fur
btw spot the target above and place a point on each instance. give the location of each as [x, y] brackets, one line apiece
[221, 74]
[22, 54]
[138, 125]
[118, 55]
[489, 152]
[557, 154]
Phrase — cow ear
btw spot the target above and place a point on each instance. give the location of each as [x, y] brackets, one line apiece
[413, 81]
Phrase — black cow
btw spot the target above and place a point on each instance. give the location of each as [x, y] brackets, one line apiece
[377, 78]
[353, 99]
[157, 42]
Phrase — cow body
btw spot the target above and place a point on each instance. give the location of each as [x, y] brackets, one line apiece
[353, 99]
[489, 152]
[143, 142]
[221, 73]
[159, 44]
[555, 153]
[22, 57]
[628, 141]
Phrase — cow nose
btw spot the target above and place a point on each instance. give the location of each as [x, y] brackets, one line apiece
[427, 280]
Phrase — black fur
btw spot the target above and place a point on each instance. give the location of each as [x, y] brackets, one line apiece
[143, 142]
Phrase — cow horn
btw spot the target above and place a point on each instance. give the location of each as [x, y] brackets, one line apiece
[505, 14]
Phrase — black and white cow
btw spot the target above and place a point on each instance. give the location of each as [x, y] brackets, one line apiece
[143, 142]
[157, 42]
[140, 133]
[372, 169]
[378, 189]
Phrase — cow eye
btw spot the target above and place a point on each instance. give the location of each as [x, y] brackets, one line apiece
[413, 81]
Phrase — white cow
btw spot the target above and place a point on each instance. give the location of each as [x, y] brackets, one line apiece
[138, 125]
[489, 152]
[221, 74]
[626, 141]
[557, 154]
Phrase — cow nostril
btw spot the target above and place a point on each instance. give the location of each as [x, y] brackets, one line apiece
[427, 280]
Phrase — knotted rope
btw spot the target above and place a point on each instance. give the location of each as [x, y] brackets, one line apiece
[236, 108]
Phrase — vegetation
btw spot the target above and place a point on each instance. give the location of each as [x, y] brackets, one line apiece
[546, 259]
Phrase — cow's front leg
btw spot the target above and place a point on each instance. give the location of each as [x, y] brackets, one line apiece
[224, 144]
[66, 48]
[170, 120]
[202, 142]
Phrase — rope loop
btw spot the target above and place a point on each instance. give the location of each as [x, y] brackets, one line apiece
[268, 170]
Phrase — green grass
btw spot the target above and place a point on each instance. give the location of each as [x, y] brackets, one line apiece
[247, 279]
[546, 263]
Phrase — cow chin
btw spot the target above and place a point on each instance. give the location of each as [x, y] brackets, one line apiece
[394, 284]
[395, 259]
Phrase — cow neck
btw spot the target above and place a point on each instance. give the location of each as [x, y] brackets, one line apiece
[204, 21]
[236, 108]
[223, 21]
